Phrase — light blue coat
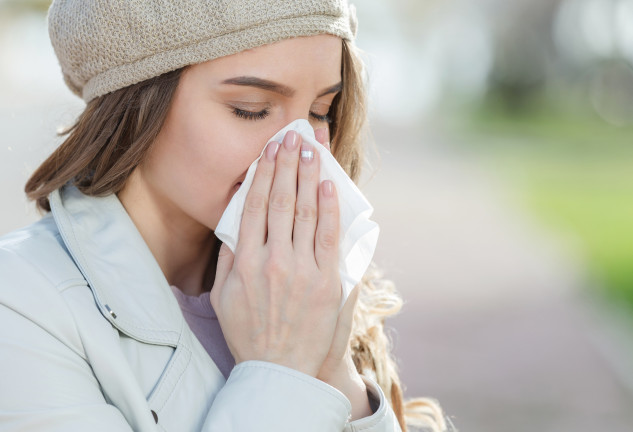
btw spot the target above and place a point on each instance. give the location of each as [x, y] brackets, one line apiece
[92, 339]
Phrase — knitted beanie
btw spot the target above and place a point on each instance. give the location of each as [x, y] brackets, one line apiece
[105, 45]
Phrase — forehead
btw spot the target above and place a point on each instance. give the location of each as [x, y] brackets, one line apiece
[311, 59]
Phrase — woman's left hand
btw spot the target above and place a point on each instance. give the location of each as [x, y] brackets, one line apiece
[338, 369]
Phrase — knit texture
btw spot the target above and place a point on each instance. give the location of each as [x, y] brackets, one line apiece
[105, 45]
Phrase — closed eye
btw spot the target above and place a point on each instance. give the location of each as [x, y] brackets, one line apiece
[321, 118]
[251, 115]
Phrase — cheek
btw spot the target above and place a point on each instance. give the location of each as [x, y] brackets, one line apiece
[196, 163]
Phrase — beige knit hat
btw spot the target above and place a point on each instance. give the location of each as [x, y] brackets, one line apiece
[105, 45]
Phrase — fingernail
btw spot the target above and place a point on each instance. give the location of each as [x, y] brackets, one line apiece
[291, 140]
[320, 134]
[328, 188]
[271, 150]
[307, 154]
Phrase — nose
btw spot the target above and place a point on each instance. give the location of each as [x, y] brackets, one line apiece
[300, 109]
[304, 115]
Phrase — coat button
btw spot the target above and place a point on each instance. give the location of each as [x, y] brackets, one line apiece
[155, 416]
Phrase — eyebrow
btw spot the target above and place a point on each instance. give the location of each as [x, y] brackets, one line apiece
[250, 81]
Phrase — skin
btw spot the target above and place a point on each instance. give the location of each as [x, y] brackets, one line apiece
[277, 299]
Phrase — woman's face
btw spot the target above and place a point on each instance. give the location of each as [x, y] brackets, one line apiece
[225, 110]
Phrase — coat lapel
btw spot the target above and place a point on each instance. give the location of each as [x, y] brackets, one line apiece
[127, 283]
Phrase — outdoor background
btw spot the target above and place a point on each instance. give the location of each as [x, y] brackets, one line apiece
[503, 183]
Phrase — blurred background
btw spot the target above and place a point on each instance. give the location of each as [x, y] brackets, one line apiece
[502, 178]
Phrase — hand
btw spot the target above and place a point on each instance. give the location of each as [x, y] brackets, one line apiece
[338, 369]
[335, 361]
[277, 299]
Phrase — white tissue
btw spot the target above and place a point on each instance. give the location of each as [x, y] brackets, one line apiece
[358, 234]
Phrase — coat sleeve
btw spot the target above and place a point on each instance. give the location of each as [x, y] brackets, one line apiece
[298, 401]
[301, 401]
[383, 420]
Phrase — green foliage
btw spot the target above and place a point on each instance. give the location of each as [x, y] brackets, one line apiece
[593, 200]
[39, 5]
[576, 174]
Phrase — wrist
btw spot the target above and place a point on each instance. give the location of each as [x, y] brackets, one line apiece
[348, 381]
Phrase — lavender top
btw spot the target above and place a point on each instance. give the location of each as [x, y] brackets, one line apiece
[203, 322]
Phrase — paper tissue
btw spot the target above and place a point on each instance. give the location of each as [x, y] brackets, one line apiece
[358, 234]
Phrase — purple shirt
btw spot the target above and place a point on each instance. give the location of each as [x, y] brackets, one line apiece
[204, 323]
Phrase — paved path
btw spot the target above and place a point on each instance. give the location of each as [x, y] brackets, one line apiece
[496, 325]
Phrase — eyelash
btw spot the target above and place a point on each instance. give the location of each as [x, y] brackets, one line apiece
[321, 118]
[260, 115]
[250, 115]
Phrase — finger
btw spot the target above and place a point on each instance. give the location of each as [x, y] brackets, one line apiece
[327, 232]
[254, 218]
[306, 207]
[222, 270]
[224, 265]
[283, 194]
[344, 323]
[322, 135]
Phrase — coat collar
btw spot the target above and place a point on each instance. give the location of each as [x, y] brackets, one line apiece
[129, 287]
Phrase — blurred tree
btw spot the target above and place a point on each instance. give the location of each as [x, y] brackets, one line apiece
[611, 91]
[41, 5]
[524, 49]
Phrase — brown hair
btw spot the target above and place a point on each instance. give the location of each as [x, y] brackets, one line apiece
[114, 133]
[109, 139]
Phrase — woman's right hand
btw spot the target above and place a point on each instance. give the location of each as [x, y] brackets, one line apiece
[277, 299]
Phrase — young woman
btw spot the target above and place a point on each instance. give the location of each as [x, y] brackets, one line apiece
[119, 309]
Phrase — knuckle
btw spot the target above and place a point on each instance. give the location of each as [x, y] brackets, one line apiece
[306, 213]
[301, 280]
[330, 209]
[213, 297]
[310, 171]
[281, 201]
[329, 293]
[335, 292]
[287, 161]
[327, 239]
[267, 169]
[246, 275]
[255, 203]
[224, 251]
[244, 264]
[304, 274]
[277, 268]
[241, 259]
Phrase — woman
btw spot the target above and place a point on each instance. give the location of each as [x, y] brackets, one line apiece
[111, 303]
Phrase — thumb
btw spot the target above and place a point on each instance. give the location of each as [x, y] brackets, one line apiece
[222, 270]
[343, 329]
